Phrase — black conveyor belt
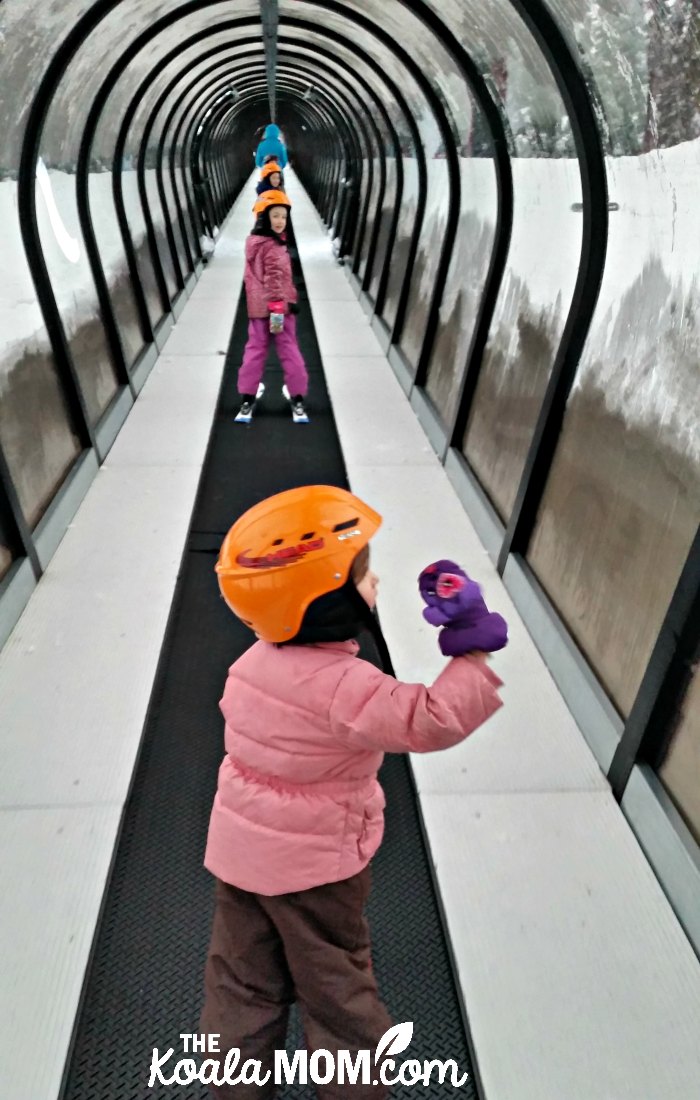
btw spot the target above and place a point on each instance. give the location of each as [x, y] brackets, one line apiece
[144, 984]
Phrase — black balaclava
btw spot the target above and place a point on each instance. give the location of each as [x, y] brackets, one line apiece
[340, 616]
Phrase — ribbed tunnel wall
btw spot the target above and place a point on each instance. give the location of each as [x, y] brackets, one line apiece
[512, 188]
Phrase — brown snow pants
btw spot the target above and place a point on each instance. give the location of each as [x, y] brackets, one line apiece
[312, 947]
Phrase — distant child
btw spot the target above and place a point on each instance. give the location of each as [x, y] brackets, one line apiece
[271, 178]
[271, 146]
[298, 812]
[272, 304]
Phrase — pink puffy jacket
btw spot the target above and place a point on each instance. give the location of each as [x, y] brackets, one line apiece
[268, 276]
[298, 803]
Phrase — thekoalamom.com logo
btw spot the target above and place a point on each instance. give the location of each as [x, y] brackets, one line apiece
[319, 1068]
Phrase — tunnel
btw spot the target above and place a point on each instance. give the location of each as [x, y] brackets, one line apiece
[495, 237]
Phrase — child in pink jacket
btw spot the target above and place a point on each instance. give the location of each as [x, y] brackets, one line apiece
[271, 297]
[298, 812]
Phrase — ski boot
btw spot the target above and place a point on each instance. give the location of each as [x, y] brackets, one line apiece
[299, 414]
[248, 403]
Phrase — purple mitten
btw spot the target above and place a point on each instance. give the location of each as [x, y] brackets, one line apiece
[456, 604]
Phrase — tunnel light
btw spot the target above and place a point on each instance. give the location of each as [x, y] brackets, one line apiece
[68, 245]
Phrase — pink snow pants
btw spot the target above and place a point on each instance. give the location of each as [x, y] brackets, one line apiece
[287, 348]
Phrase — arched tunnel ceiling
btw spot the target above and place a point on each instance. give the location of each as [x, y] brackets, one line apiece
[425, 31]
[497, 37]
[176, 70]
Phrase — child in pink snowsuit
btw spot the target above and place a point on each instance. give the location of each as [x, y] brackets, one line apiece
[299, 812]
[270, 290]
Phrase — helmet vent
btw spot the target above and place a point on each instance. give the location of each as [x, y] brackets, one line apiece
[348, 523]
[307, 536]
[278, 542]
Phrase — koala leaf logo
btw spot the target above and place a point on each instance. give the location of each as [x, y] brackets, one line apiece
[393, 1041]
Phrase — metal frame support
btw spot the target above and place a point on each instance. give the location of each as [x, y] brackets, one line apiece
[269, 15]
[433, 102]
[20, 541]
[572, 85]
[403, 107]
[166, 135]
[652, 719]
[296, 65]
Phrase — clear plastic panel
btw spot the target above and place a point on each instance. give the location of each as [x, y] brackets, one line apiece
[519, 79]
[61, 138]
[466, 277]
[641, 60]
[137, 229]
[122, 26]
[113, 259]
[404, 234]
[440, 68]
[171, 215]
[536, 291]
[185, 66]
[189, 193]
[179, 108]
[386, 215]
[523, 85]
[177, 182]
[528, 323]
[413, 39]
[374, 211]
[73, 286]
[409, 198]
[158, 214]
[196, 95]
[371, 214]
[365, 187]
[36, 431]
[158, 219]
[199, 75]
[32, 32]
[360, 103]
[381, 90]
[426, 261]
[217, 68]
[199, 189]
[622, 502]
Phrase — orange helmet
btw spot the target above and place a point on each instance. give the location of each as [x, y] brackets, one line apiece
[271, 198]
[269, 169]
[289, 549]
